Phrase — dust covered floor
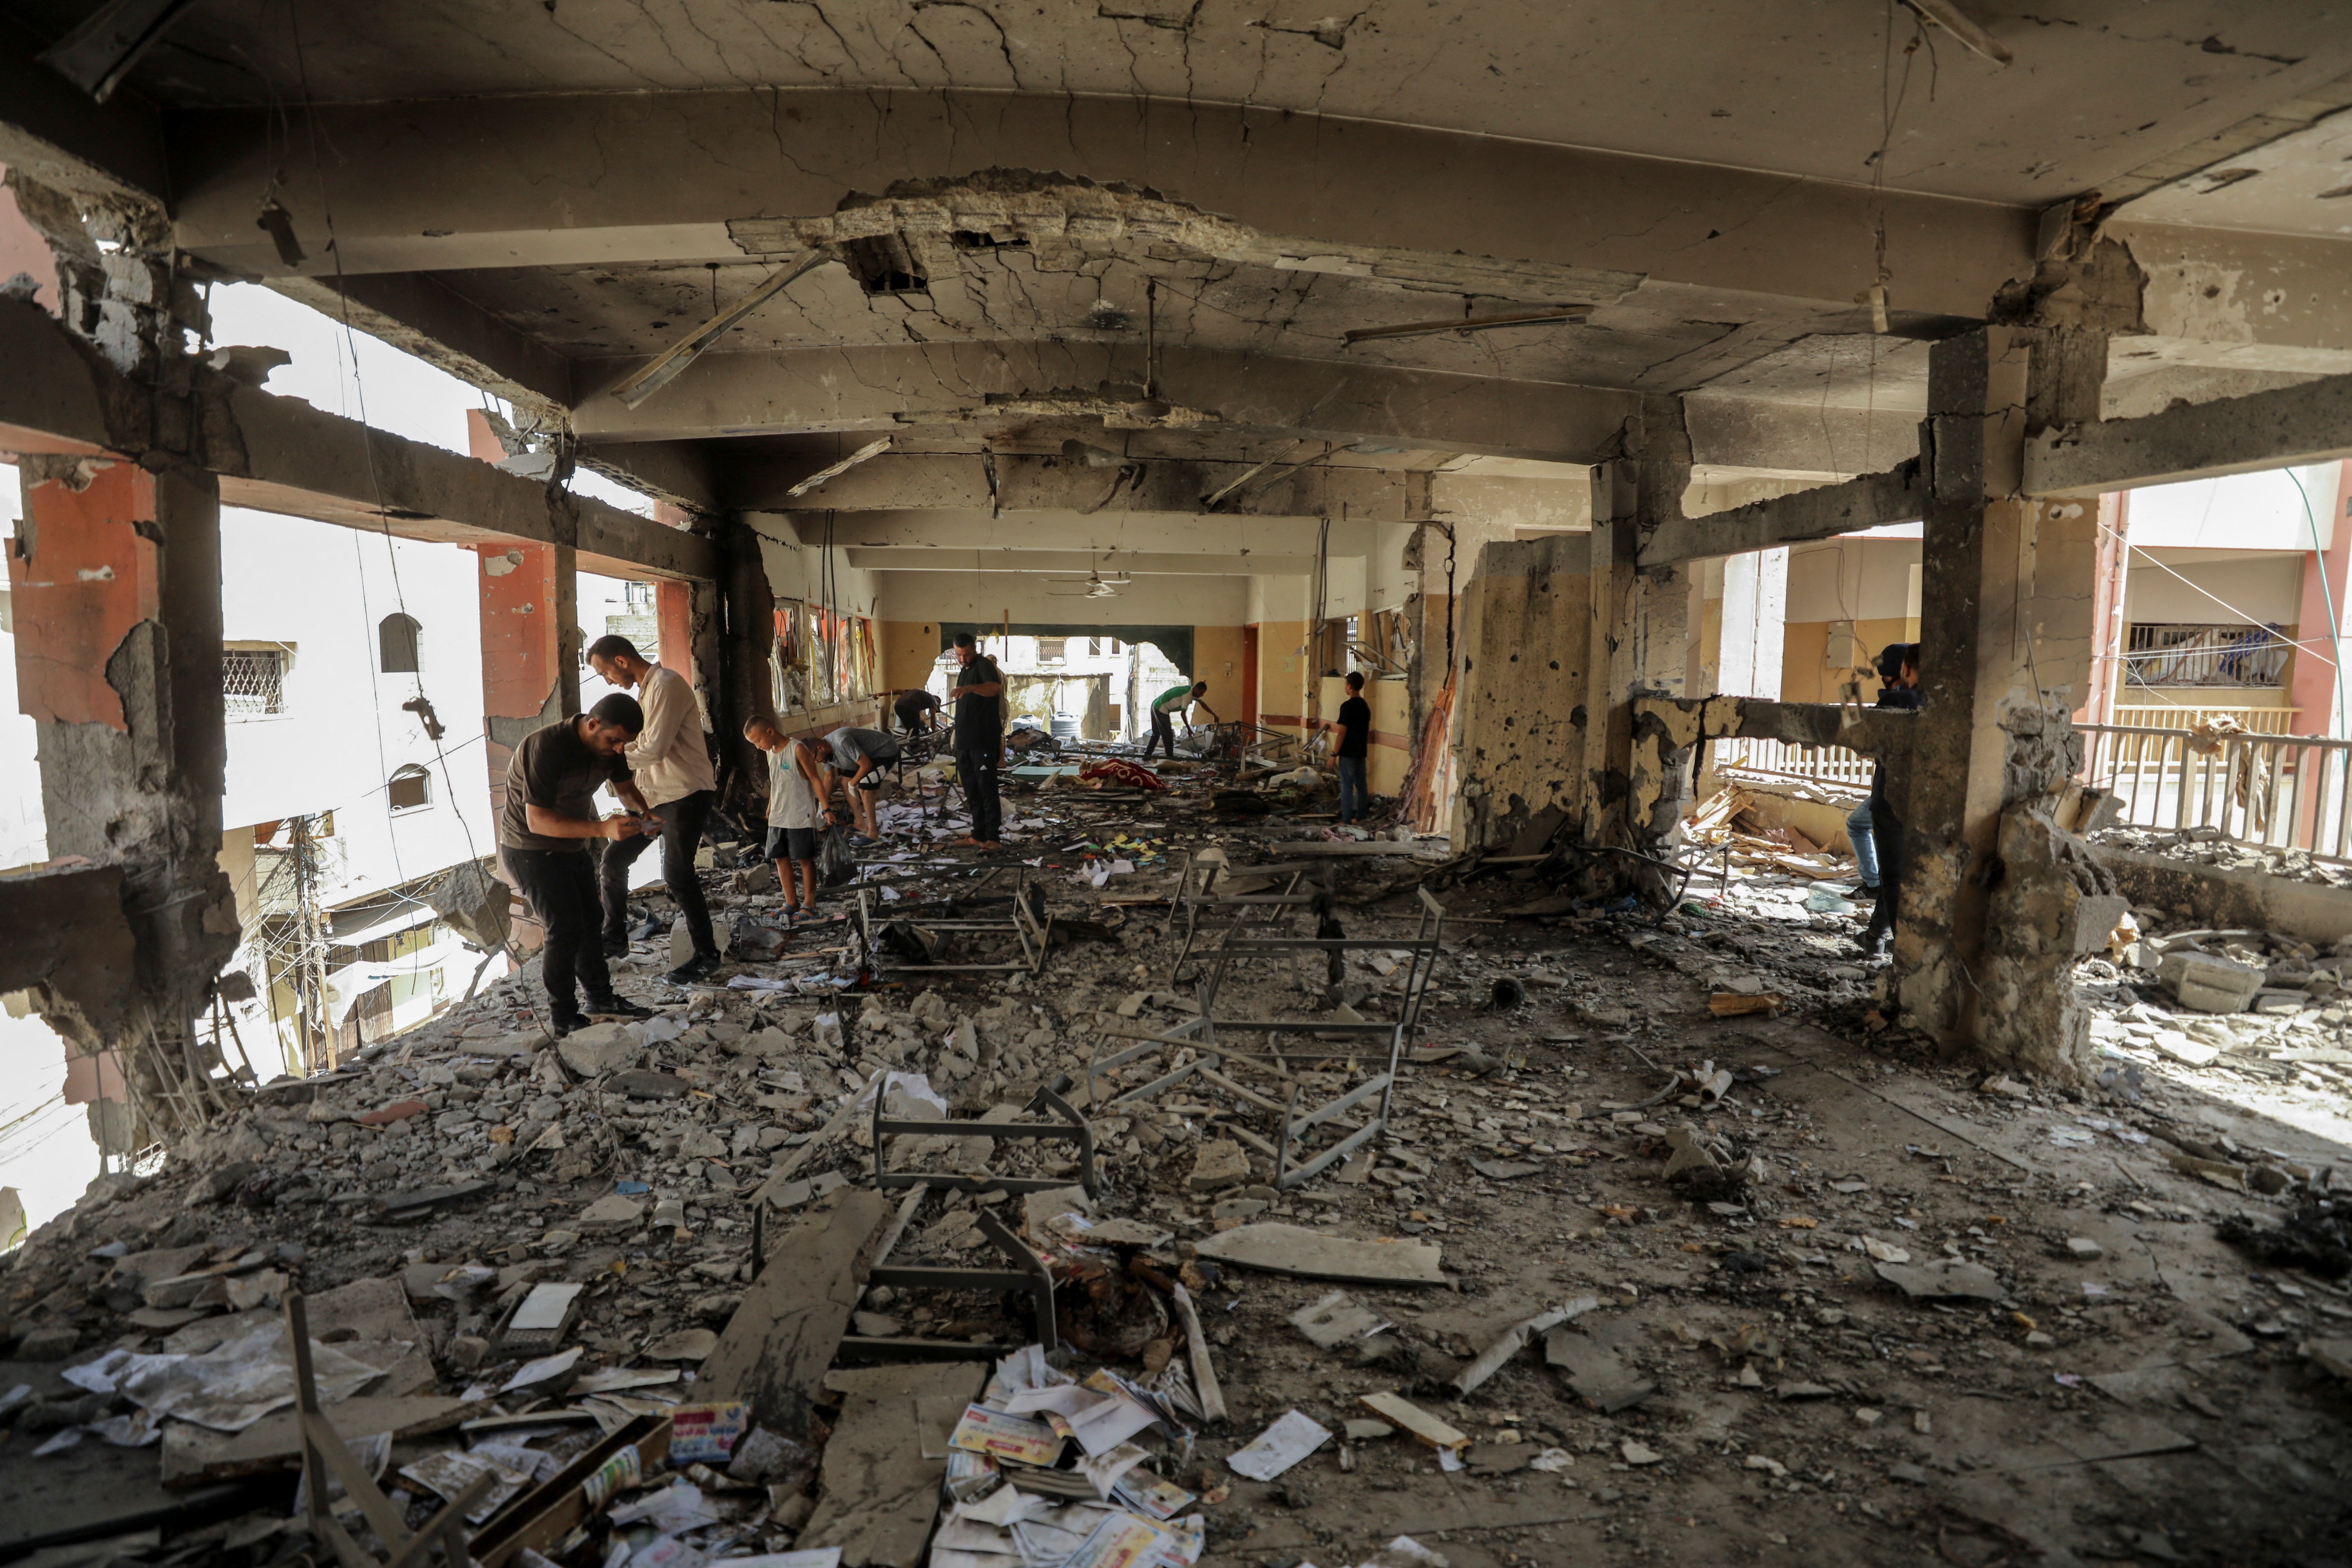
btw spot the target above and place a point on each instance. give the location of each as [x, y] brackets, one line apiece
[1744, 1378]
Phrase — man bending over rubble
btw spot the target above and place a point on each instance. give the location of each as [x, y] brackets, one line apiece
[797, 781]
[544, 831]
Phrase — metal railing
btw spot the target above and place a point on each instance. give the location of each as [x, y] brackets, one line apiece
[2280, 792]
[1788, 760]
[2188, 715]
[2274, 791]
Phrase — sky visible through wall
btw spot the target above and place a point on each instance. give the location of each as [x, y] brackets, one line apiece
[46, 1152]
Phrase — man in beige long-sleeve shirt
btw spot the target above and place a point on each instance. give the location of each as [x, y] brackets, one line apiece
[671, 764]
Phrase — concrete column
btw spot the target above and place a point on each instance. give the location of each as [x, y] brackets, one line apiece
[531, 656]
[116, 583]
[1997, 901]
[2099, 694]
[1640, 630]
[1606, 716]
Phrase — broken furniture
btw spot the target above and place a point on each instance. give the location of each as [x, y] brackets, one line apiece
[912, 940]
[541, 1516]
[1297, 1126]
[1027, 1272]
[1204, 909]
[325, 1454]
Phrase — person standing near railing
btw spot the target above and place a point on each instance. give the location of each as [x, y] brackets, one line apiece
[1858, 821]
[1886, 828]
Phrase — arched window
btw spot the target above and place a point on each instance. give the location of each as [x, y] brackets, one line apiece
[409, 789]
[399, 638]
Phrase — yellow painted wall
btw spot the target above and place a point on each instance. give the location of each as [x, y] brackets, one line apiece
[1281, 688]
[1805, 676]
[1217, 659]
[909, 649]
[1392, 749]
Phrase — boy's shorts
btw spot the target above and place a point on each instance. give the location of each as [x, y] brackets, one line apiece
[791, 844]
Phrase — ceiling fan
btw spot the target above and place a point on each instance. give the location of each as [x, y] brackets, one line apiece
[1093, 585]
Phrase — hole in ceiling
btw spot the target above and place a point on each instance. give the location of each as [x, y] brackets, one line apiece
[883, 265]
[973, 239]
[1106, 316]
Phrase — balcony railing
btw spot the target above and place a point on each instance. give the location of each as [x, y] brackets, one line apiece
[2266, 791]
[2188, 715]
[2279, 792]
[1788, 760]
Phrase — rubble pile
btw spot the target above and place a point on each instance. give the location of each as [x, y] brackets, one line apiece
[1621, 1257]
[2211, 847]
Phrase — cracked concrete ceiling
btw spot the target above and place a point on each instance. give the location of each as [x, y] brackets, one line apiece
[1154, 225]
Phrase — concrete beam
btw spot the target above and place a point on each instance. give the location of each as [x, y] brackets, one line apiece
[1865, 502]
[1773, 439]
[1327, 193]
[2307, 424]
[1018, 483]
[1080, 563]
[279, 453]
[889, 387]
[419, 314]
[686, 474]
[953, 536]
[2273, 300]
[57, 135]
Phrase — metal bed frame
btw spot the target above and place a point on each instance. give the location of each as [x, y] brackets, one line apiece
[1034, 934]
[1200, 1034]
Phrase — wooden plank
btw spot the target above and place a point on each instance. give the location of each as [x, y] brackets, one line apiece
[1426, 1430]
[881, 1494]
[774, 1351]
[193, 1456]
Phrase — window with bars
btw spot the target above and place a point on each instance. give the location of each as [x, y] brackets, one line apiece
[2173, 653]
[253, 681]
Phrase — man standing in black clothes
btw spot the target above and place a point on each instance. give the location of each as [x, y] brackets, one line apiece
[978, 738]
[1355, 727]
[1886, 828]
[544, 831]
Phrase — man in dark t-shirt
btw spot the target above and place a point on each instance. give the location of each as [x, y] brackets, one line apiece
[1355, 727]
[544, 831]
[917, 710]
[979, 694]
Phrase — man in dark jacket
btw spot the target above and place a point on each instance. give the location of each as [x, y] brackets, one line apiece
[1886, 828]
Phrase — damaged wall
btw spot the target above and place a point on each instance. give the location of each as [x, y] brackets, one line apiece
[115, 576]
[1517, 731]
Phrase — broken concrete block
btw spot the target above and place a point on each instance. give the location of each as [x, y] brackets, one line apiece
[642, 1083]
[611, 1212]
[1335, 1320]
[1592, 1370]
[1943, 1279]
[2083, 1247]
[686, 1345]
[600, 1049]
[1219, 1162]
[52, 1344]
[2209, 983]
[2181, 1048]
[1318, 1254]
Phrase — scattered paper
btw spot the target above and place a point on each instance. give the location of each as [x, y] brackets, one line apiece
[546, 1369]
[1003, 1437]
[1279, 1447]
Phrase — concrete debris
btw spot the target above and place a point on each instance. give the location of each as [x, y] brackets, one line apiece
[649, 1223]
[1278, 1249]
